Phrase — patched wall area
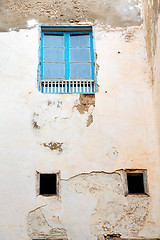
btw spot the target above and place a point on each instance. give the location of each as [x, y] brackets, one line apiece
[92, 204]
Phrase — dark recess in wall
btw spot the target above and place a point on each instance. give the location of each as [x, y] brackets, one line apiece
[48, 184]
[135, 182]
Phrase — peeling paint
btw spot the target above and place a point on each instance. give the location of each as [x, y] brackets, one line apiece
[128, 35]
[89, 120]
[49, 102]
[85, 101]
[38, 227]
[35, 125]
[108, 213]
[57, 103]
[54, 146]
[34, 121]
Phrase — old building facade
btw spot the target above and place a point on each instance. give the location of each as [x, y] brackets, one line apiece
[101, 147]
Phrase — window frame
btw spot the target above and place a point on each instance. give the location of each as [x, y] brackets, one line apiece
[67, 30]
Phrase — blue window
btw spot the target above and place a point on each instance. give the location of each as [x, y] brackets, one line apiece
[67, 62]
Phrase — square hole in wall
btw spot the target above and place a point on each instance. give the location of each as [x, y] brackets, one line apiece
[48, 183]
[135, 182]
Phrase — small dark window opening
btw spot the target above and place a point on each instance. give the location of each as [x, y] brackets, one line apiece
[48, 184]
[135, 183]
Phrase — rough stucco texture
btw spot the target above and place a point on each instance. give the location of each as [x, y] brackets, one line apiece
[94, 198]
[152, 36]
[151, 13]
[118, 13]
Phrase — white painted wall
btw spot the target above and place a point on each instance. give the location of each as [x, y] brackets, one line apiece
[122, 135]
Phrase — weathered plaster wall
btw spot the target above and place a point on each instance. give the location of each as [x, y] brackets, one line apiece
[152, 31]
[15, 13]
[152, 36]
[151, 11]
[89, 139]
[108, 211]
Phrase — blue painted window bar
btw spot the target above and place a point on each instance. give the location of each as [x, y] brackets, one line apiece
[67, 60]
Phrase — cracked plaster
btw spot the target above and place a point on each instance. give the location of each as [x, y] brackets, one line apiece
[55, 113]
[38, 226]
[108, 211]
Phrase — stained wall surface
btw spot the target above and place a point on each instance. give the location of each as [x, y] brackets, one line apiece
[14, 14]
[89, 139]
[152, 36]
